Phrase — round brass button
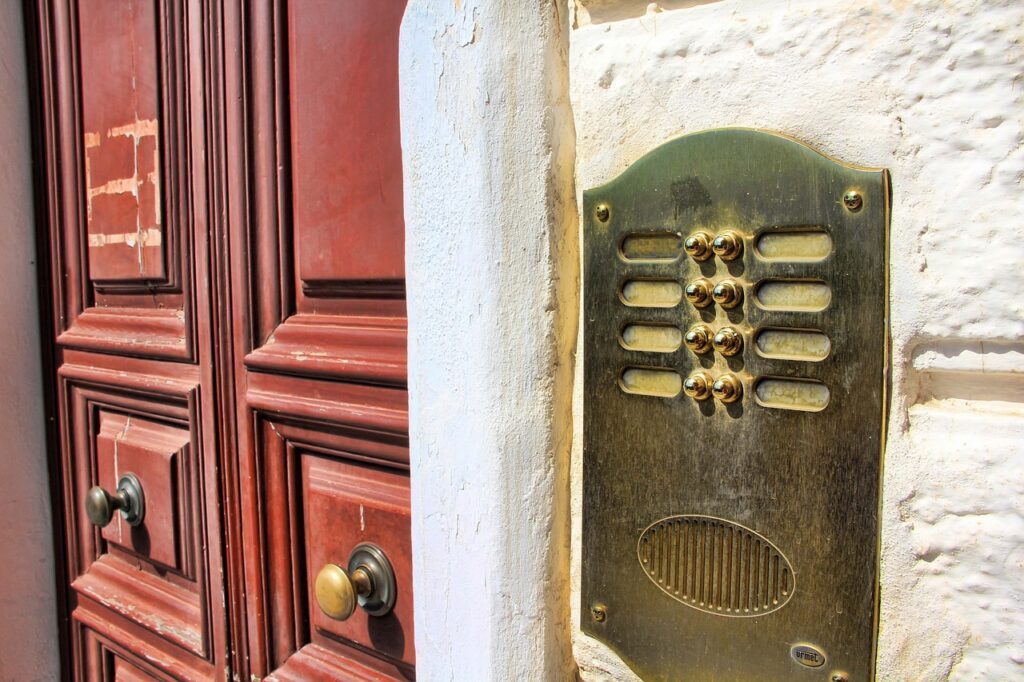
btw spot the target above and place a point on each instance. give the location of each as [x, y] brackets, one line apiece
[698, 245]
[335, 594]
[698, 339]
[698, 292]
[698, 386]
[727, 388]
[727, 294]
[727, 246]
[728, 342]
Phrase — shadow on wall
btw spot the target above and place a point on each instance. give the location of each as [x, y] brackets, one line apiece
[601, 11]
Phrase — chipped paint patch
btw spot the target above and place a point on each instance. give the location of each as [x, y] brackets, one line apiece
[142, 186]
[151, 237]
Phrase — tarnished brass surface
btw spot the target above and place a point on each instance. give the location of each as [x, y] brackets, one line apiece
[129, 499]
[335, 592]
[369, 583]
[735, 540]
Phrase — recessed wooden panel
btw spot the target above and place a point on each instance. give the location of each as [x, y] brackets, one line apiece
[326, 227]
[156, 453]
[346, 504]
[346, 147]
[323, 490]
[121, 128]
[126, 672]
[118, 176]
[113, 651]
[155, 575]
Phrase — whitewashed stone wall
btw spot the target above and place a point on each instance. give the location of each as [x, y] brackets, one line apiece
[934, 91]
[491, 257]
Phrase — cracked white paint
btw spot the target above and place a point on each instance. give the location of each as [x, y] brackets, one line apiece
[934, 91]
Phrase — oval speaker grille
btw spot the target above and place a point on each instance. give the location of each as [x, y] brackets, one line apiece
[716, 566]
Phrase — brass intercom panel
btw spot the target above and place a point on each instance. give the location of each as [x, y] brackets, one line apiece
[735, 312]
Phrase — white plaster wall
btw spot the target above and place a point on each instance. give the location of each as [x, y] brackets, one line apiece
[934, 91]
[491, 253]
[28, 615]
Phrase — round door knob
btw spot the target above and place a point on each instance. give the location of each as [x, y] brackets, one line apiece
[698, 386]
[727, 294]
[728, 342]
[698, 245]
[698, 292]
[336, 590]
[129, 500]
[727, 246]
[369, 582]
[698, 339]
[727, 388]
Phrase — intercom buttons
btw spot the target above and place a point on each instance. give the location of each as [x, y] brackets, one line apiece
[727, 388]
[728, 342]
[698, 339]
[698, 292]
[727, 294]
[728, 246]
[698, 386]
[698, 245]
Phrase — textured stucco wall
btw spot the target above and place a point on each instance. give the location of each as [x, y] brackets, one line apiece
[491, 257]
[934, 91]
[28, 611]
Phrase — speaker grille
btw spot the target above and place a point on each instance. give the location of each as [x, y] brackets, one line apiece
[716, 566]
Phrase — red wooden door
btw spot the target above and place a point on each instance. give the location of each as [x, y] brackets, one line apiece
[317, 268]
[221, 186]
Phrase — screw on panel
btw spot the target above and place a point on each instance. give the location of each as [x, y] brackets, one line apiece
[599, 612]
[853, 201]
[840, 677]
[603, 212]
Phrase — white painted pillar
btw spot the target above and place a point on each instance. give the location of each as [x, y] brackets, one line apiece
[491, 254]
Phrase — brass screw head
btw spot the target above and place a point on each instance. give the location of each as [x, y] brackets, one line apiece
[698, 292]
[603, 212]
[728, 246]
[853, 201]
[698, 245]
[728, 341]
[698, 339]
[698, 386]
[840, 677]
[727, 388]
[599, 612]
[727, 294]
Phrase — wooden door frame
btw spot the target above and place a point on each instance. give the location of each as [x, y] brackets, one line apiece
[42, 191]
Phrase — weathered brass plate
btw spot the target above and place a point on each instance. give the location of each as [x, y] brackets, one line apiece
[735, 540]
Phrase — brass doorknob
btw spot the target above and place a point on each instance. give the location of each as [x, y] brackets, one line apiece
[369, 582]
[129, 500]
